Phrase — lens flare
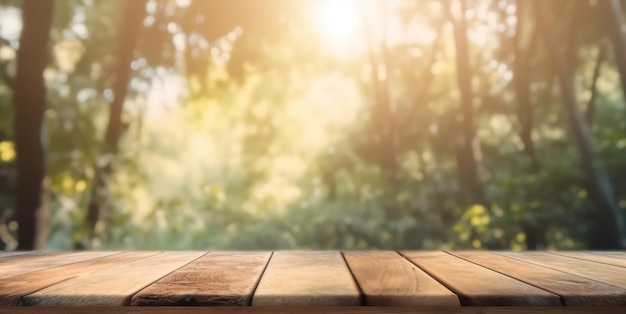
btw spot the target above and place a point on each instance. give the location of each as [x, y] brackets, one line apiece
[339, 19]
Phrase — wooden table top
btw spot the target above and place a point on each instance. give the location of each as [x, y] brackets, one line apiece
[462, 280]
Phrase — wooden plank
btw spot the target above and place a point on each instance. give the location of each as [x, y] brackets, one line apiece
[112, 286]
[4, 254]
[14, 288]
[608, 274]
[574, 290]
[617, 254]
[313, 309]
[21, 264]
[307, 278]
[386, 278]
[603, 259]
[31, 256]
[476, 285]
[216, 279]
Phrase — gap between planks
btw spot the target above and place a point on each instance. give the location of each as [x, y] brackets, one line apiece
[354, 273]
[464, 278]
[113, 286]
[216, 279]
[310, 309]
[386, 278]
[307, 278]
[586, 256]
[607, 274]
[573, 290]
[12, 289]
[21, 264]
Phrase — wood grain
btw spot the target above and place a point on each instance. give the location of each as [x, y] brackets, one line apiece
[618, 254]
[573, 290]
[112, 286]
[386, 278]
[4, 254]
[476, 285]
[21, 264]
[312, 309]
[216, 279]
[603, 259]
[306, 278]
[11, 258]
[608, 274]
[301, 279]
[14, 288]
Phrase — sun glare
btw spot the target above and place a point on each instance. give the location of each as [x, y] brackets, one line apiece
[338, 19]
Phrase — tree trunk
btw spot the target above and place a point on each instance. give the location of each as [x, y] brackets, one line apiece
[525, 113]
[525, 109]
[610, 232]
[613, 20]
[130, 28]
[466, 156]
[30, 99]
[389, 123]
[382, 118]
[591, 106]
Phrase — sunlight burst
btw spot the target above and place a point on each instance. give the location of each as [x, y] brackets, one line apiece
[339, 19]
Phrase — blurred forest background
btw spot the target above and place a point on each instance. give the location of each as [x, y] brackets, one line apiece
[312, 124]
